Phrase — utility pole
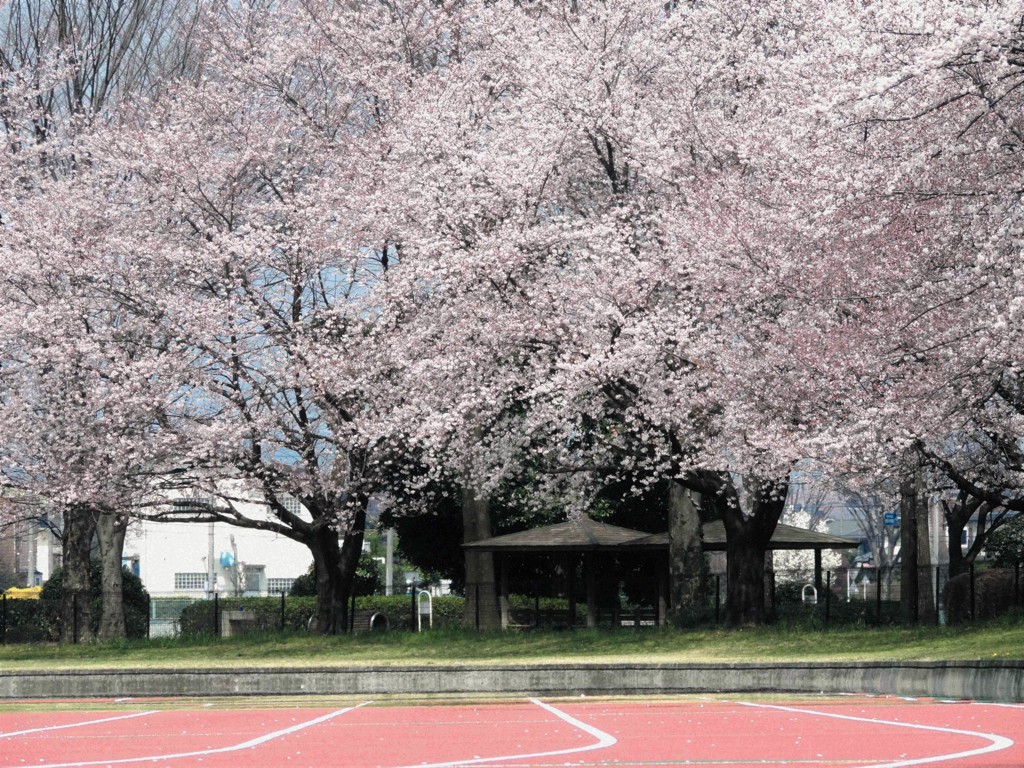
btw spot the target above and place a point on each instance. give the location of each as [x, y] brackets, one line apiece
[211, 574]
[389, 563]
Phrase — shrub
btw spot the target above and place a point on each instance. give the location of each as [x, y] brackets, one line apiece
[198, 619]
[447, 610]
[133, 593]
[1005, 547]
[994, 595]
[304, 585]
[368, 580]
[31, 621]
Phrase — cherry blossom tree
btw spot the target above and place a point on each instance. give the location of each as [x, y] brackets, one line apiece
[254, 181]
[412, 243]
[74, 363]
[603, 254]
[928, 113]
[83, 384]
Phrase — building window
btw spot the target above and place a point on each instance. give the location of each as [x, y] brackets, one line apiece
[254, 577]
[191, 505]
[191, 581]
[292, 504]
[279, 586]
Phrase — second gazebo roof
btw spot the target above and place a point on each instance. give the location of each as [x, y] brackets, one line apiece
[584, 535]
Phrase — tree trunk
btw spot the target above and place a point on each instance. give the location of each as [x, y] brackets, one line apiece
[110, 531]
[908, 550]
[76, 563]
[330, 599]
[686, 555]
[957, 562]
[481, 607]
[336, 557]
[351, 551]
[748, 535]
[957, 516]
[925, 580]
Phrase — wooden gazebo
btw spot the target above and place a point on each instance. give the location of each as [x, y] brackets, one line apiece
[587, 539]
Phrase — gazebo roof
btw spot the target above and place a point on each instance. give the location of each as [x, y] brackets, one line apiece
[579, 535]
[585, 534]
[784, 537]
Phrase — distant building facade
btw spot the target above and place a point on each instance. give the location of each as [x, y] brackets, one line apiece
[29, 547]
[173, 559]
[189, 559]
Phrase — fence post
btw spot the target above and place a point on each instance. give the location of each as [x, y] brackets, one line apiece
[828, 596]
[3, 620]
[352, 613]
[412, 615]
[216, 614]
[149, 614]
[282, 611]
[940, 610]
[536, 606]
[1016, 583]
[617, 610]
[476, 606]
[972, 592]
[74, 618]
[718, 597]
[878, 597]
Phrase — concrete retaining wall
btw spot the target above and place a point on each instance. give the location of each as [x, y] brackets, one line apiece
[987, 681]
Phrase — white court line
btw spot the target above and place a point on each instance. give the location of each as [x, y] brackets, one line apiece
[998, 742]
[998, 704]
[603, 740]
[75, 725]
[204, 752]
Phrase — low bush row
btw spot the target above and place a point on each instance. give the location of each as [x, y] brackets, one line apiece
[297, 613]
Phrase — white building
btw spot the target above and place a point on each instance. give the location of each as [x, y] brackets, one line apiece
[189, 559]
[179, 559]
[29, 546]
[200, 559]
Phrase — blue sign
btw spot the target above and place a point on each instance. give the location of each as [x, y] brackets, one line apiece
[891, 518]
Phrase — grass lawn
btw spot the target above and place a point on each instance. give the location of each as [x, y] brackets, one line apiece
[1002, 640]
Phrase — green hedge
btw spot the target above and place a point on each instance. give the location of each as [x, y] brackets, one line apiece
[197, 618]
[31, 621]
[134, 597]
[996, 592]
[447, 610]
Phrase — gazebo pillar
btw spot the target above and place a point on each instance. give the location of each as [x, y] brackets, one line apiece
[818, 582]
[662, 603]
[590, 576]
[570, 588]
[503, 602]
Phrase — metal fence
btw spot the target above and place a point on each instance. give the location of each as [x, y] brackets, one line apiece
[861, 595]
[42, 620]
[49, 620]
[865, 596]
